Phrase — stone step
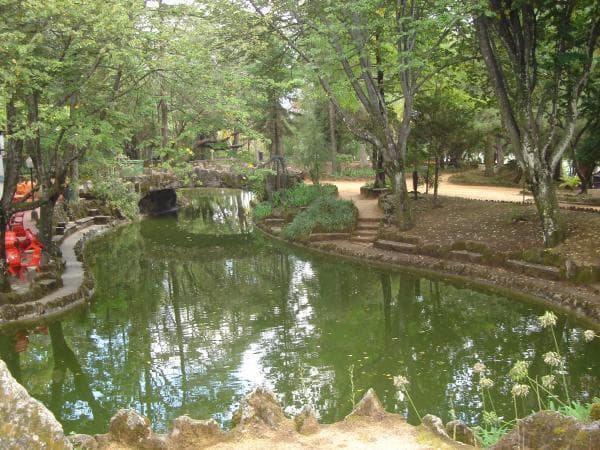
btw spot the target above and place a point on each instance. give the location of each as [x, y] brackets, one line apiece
[367, 225]
[534, 270]
[371, 233]
[102, 220]
[274, 221]
[465, 256]
[49, 284]
[93, 212]
[366, 239]
[402, 247]
[276, 230]
[370, 219]
[84, 222]
[317, 237]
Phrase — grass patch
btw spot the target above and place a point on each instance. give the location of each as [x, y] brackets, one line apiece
[302, 195]
[349, 173]
[262, 210]
[325, 214]
[504, 177]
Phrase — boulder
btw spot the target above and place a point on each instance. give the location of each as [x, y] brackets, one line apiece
[306, 422]
[195, 433]
[24, 422]
[459, 431]
[369, 406]
[84, 442]
[595, 412]
[259, 406]
[435, 424]
[549, 430]
[131, 428]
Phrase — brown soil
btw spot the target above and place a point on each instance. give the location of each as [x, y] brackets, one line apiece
[364, 433]
[501, 222]
[390, 432]
[503, 227]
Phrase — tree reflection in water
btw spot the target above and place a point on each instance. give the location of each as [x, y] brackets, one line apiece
[191, 313]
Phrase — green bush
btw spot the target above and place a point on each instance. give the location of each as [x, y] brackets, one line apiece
[570, 182]
[323, 215]
[117, 195]
[355, 172]
[262, 211]
[302, 195]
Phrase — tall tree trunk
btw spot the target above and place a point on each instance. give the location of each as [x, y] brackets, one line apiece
[74, 169]
[74, 182]
[488, 157]
[275, 128]
[332, 136]
[436, 179]
[4, 277]
[404, 216]
[499, 152]
[14, 158]
[46, 226]
[544, 194]
[397, 153]
[378, 168]
[163, 110]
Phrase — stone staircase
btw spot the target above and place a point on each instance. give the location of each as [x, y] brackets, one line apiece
[275, 225]
[366, 230]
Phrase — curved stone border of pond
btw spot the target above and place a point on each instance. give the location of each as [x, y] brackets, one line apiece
[580, 300]
[77, 284]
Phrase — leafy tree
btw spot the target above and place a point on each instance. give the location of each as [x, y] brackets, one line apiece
[539, 56]
[444, 125]
[386, 50]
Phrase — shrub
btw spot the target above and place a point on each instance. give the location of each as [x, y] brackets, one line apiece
[302, 195]
[117, 195]
[355, 172]
[262, 211]
[570, 182]
[325, 214]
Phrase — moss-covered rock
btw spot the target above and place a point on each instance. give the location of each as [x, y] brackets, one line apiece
[549, 429]
[24, 422]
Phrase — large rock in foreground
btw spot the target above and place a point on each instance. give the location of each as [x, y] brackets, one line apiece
[26, 424]
[551, 430]
[261, 406]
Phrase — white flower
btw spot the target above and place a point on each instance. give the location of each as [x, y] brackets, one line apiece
[520, 390]
[519, 371]
[552, 359]
[400, 382]
[486, 383]
[548, 381]
[479, 367]
[547, 320]
[490, 418]
[589, 335]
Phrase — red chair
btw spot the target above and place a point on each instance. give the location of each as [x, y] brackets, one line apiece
[16, 223]
[13, 255]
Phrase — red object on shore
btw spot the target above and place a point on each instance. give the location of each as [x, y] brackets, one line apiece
[21, 342]
[13, 255]
[23, 249]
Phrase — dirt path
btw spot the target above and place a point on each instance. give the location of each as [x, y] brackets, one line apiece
[350, 190]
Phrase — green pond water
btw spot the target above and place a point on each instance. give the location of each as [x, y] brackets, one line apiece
[192, 312]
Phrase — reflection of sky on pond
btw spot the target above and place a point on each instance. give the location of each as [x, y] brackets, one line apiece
[192, 325]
